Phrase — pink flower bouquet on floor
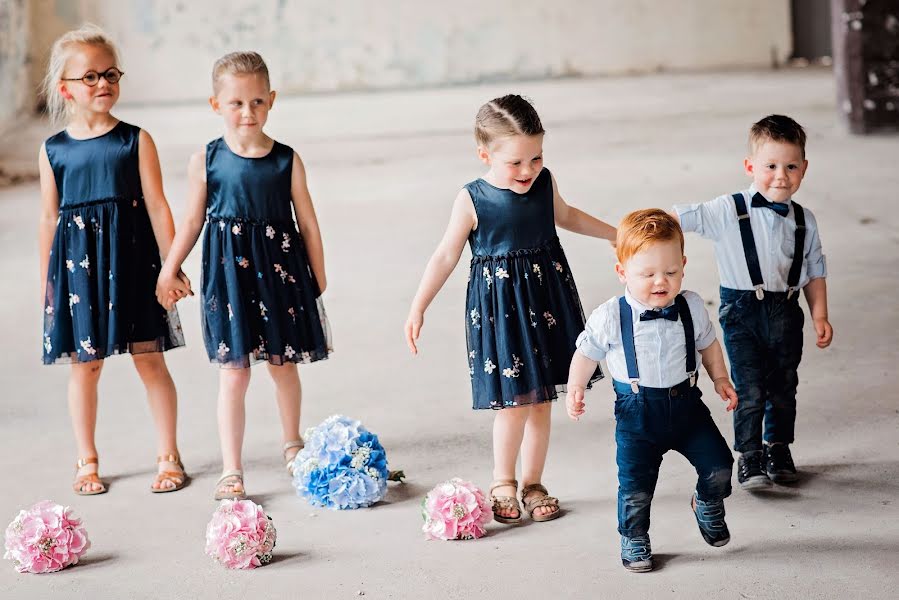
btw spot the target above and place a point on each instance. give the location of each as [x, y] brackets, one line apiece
[45, 538]
[240, 535]
[455, 510]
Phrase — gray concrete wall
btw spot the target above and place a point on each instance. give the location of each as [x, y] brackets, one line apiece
[311, 46]
[15, 92]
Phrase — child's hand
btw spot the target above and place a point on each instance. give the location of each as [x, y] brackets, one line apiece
[574, 401]
[824, 331]
[414, 323]
[725, 389]
[171, 288]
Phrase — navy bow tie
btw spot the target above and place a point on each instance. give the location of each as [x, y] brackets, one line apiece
[781, 208]
[669, 313]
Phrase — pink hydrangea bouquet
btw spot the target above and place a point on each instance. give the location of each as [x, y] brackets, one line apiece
[45, 538]
[455, 510]
[240, 535]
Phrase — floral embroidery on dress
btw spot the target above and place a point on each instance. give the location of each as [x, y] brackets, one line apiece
[501, 273]
[223, 349]
[48, 347]
[515, 369]
[488, 277]
[489, 367]
[78, 221]
[475, 318]
[289, 352]
[270, 232]
[73, 300]
[285, 242]
[235, 229]
[550, 320]
[70, 265]
[86, 263]
[86, 345]
[536, 269]
[263, 310]
[558, 266]
[242, 261]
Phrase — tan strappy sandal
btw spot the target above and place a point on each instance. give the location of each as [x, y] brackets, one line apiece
[78, 486]
[545, 500]
[505, 503]
[178, 478]
[225, 486]
[288, 446]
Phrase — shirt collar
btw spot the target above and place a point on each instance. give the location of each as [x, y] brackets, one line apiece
[753, 192]
[637, 305]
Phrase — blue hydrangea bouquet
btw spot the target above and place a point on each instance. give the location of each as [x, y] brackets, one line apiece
[343, 465]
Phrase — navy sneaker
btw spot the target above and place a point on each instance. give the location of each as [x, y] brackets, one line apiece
[750, 472]
[710, 518]
[636, 553]
[779, 464]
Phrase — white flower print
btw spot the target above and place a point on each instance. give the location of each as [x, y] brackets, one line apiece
[471, 354]
[515, 369]
[539, 273]
[558, 266]
[86, 345]
[70, 265]
[223, 349]
[78, 221]
[501, 273]
[261, 348]
[134, 203]
[289, 352]
[263, 311]
[532, 314]
[306, 357]
[86, 263]
[242, 261]
[47, 345]
[235, 229]
[489, 367]
[73, 300]
[475, 318]
[270, 232]
[285, 242]
[488, 277]
[280, 271]
[221, 225]
[550, 319]
[49, 310]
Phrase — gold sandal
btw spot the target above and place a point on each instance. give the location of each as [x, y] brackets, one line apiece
[178, 478]
[80, 482]
[505, 503]
[545, 500]
[288, 446]
[225, 489]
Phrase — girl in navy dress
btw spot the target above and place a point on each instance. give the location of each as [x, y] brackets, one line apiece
[522, 311]
[104, 221]
[262, 275]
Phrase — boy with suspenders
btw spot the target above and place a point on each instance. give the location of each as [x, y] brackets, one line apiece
[767, 248]
[650, 338]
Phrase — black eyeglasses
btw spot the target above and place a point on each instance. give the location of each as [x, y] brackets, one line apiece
[92, 78]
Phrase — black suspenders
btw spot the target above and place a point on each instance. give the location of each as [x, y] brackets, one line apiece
[752, 257]
[630, 352]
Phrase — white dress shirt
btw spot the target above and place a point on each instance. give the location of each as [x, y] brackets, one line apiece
[775, 241]
[660, 344]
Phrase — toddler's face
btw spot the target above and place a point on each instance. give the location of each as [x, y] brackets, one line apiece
[514, 161]
[777, 169]
[654, 275]
[244, 101]
[99, 98]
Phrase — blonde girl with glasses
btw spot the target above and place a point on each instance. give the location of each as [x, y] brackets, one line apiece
[105, 228]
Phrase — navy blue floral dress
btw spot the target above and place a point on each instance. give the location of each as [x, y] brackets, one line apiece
[523, 313]
[261, 301]
[104, 262]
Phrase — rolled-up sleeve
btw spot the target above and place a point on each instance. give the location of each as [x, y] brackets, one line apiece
[593, 342]
[706, 218]
[815, 261]
[703, 331]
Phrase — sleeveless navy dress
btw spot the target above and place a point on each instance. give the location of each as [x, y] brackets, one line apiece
[104, 262]
[523, 313]
[261, 301]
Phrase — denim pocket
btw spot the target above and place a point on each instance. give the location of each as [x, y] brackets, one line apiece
[629, 413]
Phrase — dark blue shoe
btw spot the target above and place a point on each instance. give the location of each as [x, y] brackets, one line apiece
[779, 464]
[710, 518]
[636, 553]
[751, 471]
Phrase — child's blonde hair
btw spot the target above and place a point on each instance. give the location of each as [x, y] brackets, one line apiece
[644, 227]
[239, 63]
[505, 117]
[777, 128]
[88, 34]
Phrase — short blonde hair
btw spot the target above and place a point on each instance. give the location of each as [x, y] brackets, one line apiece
[504, 117]
[777, 128]
[239, 63]
[644, 227]
[63, 48]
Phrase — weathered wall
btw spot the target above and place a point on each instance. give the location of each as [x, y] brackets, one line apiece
[15, 93]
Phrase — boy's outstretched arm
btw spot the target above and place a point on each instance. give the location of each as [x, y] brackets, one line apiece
[713, 361]
[578, 375]
[816, 296]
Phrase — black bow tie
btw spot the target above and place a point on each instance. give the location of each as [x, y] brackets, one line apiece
[781, 208]
[669, 313]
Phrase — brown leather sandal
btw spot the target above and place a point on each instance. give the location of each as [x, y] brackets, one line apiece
[545, 500]
[178, 478]
[505, 503]
[300, 444]
[78, 486]
[227, 485]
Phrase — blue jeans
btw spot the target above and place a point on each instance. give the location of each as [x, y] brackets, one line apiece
[650, 423]
[763, 339]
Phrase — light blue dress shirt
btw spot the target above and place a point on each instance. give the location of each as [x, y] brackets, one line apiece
[660, 344]
[775, 241]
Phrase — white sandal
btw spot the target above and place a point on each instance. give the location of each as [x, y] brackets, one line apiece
[289, 446]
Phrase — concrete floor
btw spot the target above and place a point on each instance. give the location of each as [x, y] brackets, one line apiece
[384, 169]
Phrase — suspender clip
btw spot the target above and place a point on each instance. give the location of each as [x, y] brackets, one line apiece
[791, 291]
[741, 217]
[759, 292]
[635, 386]
[693, 379]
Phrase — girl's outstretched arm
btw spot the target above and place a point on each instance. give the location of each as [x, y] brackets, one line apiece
[307, 222]
[445, 258]
[574, 219]
[49, 215]
[151, 184]
[171, 277]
